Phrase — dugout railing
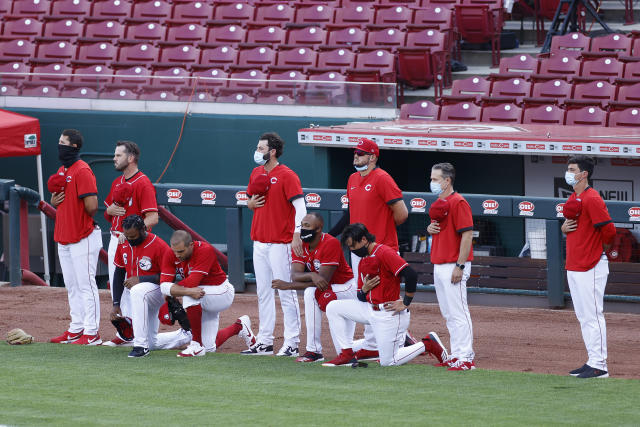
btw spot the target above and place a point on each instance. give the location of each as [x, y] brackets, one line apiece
[234, 200]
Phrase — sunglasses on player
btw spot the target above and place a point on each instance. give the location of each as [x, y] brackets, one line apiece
[361, 153]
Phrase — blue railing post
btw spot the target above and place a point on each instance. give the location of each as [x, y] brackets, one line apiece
[15, 273]
[555, 275]
[235, 250]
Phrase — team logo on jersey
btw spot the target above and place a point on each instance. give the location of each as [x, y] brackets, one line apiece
[124, 258]
[418, 204]
[526, 208]
[242, 198]
[145, 263]
[179, 274]
[273, 180]
[367, 187]
[559, 210]
[208, 197]
[317, 264]
[345, 201]
[68, 178]
[490, 207]
[174, 196]
[634, 213]
[313, 200]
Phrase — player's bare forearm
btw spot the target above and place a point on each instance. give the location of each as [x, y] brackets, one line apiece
[465, 246]
[399, 212]
[286, 286]
[297, 276]
[91, 205]
[181, 291]
[151, 219]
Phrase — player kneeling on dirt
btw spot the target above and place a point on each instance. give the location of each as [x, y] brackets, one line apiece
[378, 304]
[327, 277]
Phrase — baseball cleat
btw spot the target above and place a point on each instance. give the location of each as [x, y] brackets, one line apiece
[367, 355]
[194, 350]
[590, 372]
[88, 340]
[118, 342]
[259, 349]
[288, 351]
[345, 358]
[447, 362]
[67, 337]
[246, 333]
[409, 340]
[433, 346]
[461, 365]
[578, 371]
[310, 356]
[138, 352]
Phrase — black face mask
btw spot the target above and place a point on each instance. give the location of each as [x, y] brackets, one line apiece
[68, 155]
[307, 234]
[139, 240]
[361, 252]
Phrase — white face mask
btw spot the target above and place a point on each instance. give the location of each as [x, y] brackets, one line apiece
[259, 158]
[570, 178]
[361, 168]
[436, 188]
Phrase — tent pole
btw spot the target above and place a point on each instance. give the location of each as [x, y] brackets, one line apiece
[43, 224]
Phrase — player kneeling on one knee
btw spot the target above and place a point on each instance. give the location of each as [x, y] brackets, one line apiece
[378, 304]
[324, 274]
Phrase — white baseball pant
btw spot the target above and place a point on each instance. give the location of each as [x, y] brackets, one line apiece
[313, 314]
[587, 294]
[369, 341]
[389, 329]
[79, 262]
[216, 299]
[273, 261]
[125, 300]
[452, 299]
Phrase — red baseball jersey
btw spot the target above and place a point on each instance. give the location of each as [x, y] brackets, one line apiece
[274, 222]
[143, 199]
[584, 245]
[369, 200]
[445, 246]
[144, 259]
[390, 266]
[73, 223]
[201, 269]
[328, 252]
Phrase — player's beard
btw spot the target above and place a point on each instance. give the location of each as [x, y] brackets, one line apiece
[121, 166]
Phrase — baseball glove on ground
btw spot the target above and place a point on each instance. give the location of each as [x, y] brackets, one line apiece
[18, 336]
[124, 328]
[176, 311]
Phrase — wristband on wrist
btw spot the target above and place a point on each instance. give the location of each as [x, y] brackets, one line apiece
[165, 288]
[460, 266]
[407, 300]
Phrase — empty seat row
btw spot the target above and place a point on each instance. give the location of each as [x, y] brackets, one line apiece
[574, 44]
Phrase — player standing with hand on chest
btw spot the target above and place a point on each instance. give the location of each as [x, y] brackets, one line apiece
[590, 232]
[79, 241]
[278, 208]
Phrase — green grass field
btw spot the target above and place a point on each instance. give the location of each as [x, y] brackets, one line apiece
[47, 384]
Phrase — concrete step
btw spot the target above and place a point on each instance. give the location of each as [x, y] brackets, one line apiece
[483, 57]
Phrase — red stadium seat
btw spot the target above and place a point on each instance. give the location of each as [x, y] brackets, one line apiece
[12, 50]
[560, 65]
[146, 31]
[308, 36]
[632, 70]
[33, 8]
[150, 93]
[593, 93]
[221, 56]
[337, 59]
[299, 58]
[629, 94]
[9, 89]
[93, 75]
[186, 33]
[181, 54]
[428, 39]
[324, 89]
[421, 110]
[519, 65]
[470, 89]
[111, 9]
[248, 80]
[99, 52]
[375, 66]
[272, 34]
[586, 116]
[153, 9]
[515, 88]
[434, 17]
[351, 36]
[211, 78]
[418, 68]
[237, 12]
[106, 29]
[121, 93]
[544, 115]
[355, 14]
[13, 72]
[290, 81]
[226, 34]
[462, 112]
[274, 14]
[192, 10]
[551, 90]
[56, 51]
[170, 76]
[185, 94]
[236, 98]
[502, 113]
[572, 44]
[139, 53]
[22, 28]
[611, 43]
[275, 99]
[40, 90]
[5, 7]
[79, 8]
[136, 75]
[67, 29]
[627, 118]
[78, 90]
[603, 68]
[481, 24]
[398, 16]
[386, 38]
[257, 57]
[317, 14]
[51, 74]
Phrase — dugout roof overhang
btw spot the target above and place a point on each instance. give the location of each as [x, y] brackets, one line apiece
[419, 135]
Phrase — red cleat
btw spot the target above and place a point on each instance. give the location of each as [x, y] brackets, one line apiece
[447, 363]
[67, 337]
[460, 365]
[367, 355]
[434, 346]
[345, 358]
[89, 340]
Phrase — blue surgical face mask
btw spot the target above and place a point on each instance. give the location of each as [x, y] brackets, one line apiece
[436, 188]
[570, 178]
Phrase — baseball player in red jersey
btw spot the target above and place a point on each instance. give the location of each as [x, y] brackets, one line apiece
[79, 241]
[451, 255]
[590, 233]
[204, 287]
[375, 201]
[131, 194]
[378, 304]
[278, 208]
[324, 275]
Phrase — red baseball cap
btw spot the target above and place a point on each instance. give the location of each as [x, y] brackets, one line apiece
[163, 314]
[122, 194]
[572, 208]
[368, 146]
[259, 185]
[56, 183]
[439, 210]
[325, 297]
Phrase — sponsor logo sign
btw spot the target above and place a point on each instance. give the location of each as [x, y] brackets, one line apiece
[559, 208]
[313, 200]
[607, 149]
[345, 201]
[242, 198]
[499, 145]
[572, 147]
[208, 197]
[634, 213]
[30, 140]
[322, 137]
[428, 142]
[490, 207]
[174, 196]
[418, 204]
[535, 146]
[393, 141]
[526, 208]
[463, 143]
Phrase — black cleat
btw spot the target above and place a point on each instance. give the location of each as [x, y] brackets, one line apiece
[139, 352]
[578, 371]
[590, 372]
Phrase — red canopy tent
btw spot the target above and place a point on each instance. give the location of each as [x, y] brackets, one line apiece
[20, 136]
